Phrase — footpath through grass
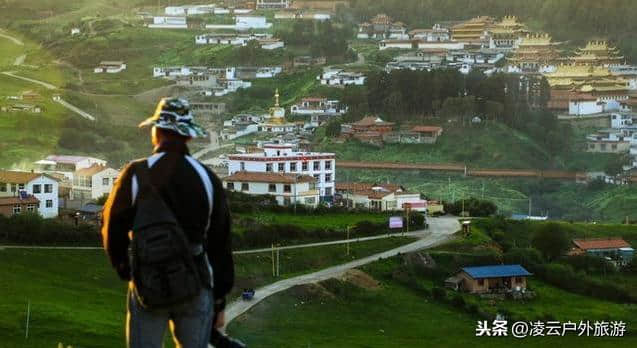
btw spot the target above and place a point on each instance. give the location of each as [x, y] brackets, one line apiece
[76, 298]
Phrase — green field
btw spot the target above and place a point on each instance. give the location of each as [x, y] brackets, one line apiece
[565, 200]
[340, 315]
[326, 221]
[77, 299]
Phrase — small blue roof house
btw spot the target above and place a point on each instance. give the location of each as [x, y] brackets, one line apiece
[485, 279]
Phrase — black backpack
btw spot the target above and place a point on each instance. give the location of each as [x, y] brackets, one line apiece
[164, 268]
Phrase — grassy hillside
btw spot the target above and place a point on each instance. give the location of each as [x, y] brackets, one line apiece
[341, 314]
[492, 146]
[77, 299]
[560, 199]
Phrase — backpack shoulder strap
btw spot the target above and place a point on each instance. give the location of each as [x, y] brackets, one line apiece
[207, 183]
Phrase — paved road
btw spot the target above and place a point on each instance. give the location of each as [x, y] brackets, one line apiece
[441, 231]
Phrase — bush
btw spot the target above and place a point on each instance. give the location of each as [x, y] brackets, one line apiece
[33, 229]
[439, 293]
[552, 239]
[527, 257]
[458, 301]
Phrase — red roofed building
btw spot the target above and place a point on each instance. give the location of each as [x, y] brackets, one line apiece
[287, 188]
[614, 248]
[10, 206]
[379, 197]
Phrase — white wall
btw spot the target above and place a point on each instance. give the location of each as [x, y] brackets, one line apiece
[98, 189]
[260, 166]
[52, 211]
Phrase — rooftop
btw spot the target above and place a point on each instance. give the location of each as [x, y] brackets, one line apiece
[69, 159]
[18, 200]
[17, 177]
[278, 178]
[601, 243]
[90, 171]
[496, 271]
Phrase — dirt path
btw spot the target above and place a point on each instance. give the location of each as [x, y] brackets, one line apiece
[20, 60]
[41, 83]
[11, 38]
[441, 231]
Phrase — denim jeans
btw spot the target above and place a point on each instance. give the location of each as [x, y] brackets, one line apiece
[190, 323]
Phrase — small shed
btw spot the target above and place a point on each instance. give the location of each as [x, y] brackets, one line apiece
[485, 279]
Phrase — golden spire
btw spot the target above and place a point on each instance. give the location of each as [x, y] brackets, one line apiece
[276, 98]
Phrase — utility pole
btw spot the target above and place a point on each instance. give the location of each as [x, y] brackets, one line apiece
[273, 270]
[26, 334]
[348, 227]
[529, 206]
[296, 176]
[278, 262]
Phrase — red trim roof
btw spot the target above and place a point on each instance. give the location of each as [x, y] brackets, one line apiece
[601, 243]
[282, 178]
[426, 129]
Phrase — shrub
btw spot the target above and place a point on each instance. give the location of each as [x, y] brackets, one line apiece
[439, 293]
[458, 301]
[552, 239]
[528, 257]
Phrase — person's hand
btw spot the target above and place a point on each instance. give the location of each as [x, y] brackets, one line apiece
[220, 321]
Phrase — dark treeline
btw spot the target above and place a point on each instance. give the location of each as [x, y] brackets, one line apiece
[576, 20]
[323, 37]
[412, 96]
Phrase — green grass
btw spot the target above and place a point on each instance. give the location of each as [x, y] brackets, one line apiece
[77, 299]
[560, 199]
[324, 221]
[396, 316]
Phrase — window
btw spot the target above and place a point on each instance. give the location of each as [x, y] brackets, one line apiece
[310, 200]
[328, 191]
[230, 186]
[286, 201]
[287, 188]
[17, 209]
[48, 188]
[614, 146]
[245, 187]
[49, 203]
[268, 167]
[14, 187]
[328, 165]
[317, 177]
[481, 282]
[272, 188]
[317, 165]
[31, 208]
[20, 186]
[304, 167]
[603, 147]
[281, 167]
[243, 166]
[3, 187]
[312, 186]
[293, 166]
[37, 188]
[105, 181]
[328, 177]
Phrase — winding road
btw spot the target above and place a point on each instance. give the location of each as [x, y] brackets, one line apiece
[441, 229]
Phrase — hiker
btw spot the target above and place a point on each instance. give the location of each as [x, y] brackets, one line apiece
[179, 266]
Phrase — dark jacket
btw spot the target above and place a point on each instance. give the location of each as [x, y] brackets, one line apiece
[183, 191]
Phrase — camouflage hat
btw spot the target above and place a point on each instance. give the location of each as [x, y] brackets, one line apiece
[174, 114]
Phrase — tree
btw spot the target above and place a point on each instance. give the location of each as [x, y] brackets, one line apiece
[552, 240]
[333, 129]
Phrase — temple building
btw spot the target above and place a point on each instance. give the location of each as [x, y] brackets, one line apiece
[597, 52]
[507, 34]
[274, 121]
[472, 31]
[535, 53]
[382, 27]
[575, 85]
